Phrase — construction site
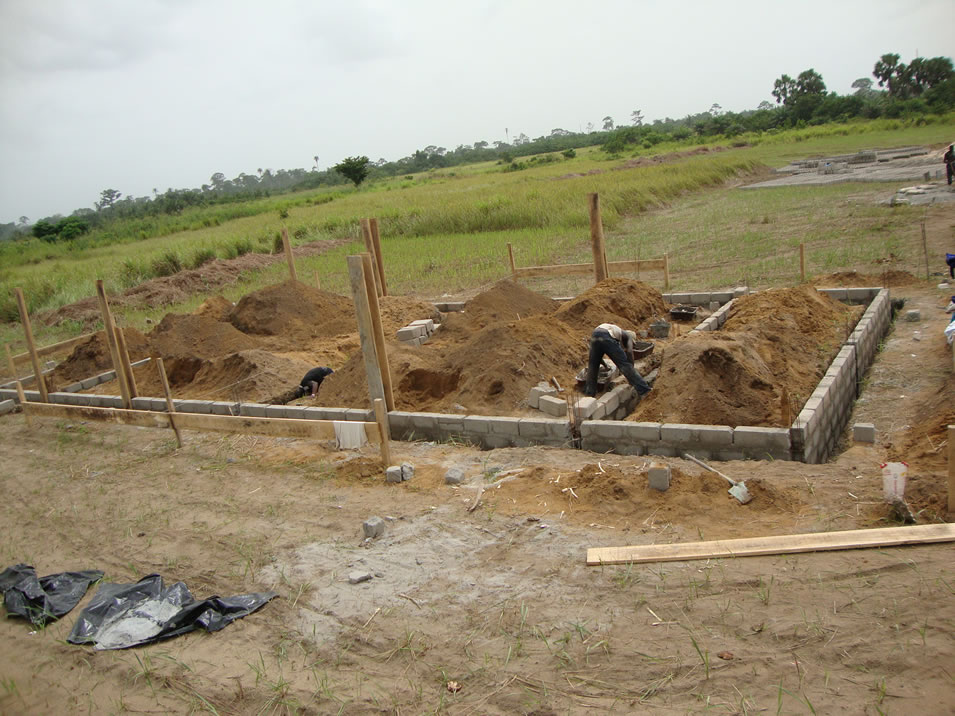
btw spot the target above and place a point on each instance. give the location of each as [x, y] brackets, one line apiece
[475, 437]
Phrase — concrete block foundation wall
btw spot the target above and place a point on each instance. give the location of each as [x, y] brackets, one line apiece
[811, 438]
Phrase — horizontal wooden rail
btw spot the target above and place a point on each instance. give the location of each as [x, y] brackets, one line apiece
[638, 265]
[615, 267]
[272, 427]
[781, 544]
[53, 348]
[555, 270]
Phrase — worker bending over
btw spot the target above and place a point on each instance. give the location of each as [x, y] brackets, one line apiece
[613, 341]
[312, 380]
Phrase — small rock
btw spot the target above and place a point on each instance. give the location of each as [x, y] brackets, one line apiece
[379, 575]
[533, 519]
[913, 315]
[393, 474]
[454, 476]
[373, 527]
[359, 577]
[407, 471]
[725, 655]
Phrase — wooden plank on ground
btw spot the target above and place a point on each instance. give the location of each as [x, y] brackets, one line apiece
[781, 544]
[272, 427]
[556, 270]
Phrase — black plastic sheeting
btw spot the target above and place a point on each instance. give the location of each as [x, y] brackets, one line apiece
[124, 615]
[43, 599]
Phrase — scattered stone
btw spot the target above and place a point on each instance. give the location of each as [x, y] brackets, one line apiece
[373, 527]
[863, 432]
[393, 474]
[533, 519]
[913, 315]
[359, 577]
[659, 476]
[454, 476]
[726, 655]
[407, 471]
[379, 575]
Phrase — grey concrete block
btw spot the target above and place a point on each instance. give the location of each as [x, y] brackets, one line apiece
[359, 415]
[373, 526]
[585, 407]
[451, 424]
[537, 428]
[493, 441]
[254, 410]
[642, 432]
[838, 294]
[408, 334]
[861, 295]
[219, 407]
[699, 299]
[112, 401]
[292, 412]
[538, 391]
[7, 406]
[274, 411]
[504, 426]
[476, 425]
[72, 388]
[714, 306]
[679, 298]
[722, 296]
[740, 291]
[682, 434]
[142, 403]
[763, 438]
[89, 383]
[425, 421]
[426, 323]
[553, 406]
[658, 476]
[393, 473]
[453, 306]
[454, 476]
[359, 577]
[407, 471]
[609, 401]
[863, 432]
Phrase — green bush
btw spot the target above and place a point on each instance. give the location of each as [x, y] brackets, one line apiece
[569, 153]
[201, 257]
[167, 264]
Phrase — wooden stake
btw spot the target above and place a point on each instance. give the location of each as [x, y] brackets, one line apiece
[370, 248]
[318, 283]
[510, 257]
[786, 409]
[124, 357]
[23, 399]
[380, 349]
[31, 346]
[925, 250]
[951, 469]
[170, 405]
[597, 238]
[379, 261]
[802, 262]
[11, 364]
[55, 348]
[288, 254]
[366, 331]
[109, 330]
[381, 417]
[666, 272]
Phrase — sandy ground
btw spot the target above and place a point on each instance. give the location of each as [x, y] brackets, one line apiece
[491, 611]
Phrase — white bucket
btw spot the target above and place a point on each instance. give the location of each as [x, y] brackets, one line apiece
[893, 480]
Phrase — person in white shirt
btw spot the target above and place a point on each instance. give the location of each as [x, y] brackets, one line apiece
[611, 340]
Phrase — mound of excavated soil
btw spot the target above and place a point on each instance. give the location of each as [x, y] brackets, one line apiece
[92, 358]
[628, 304]
[773, 349]
[295, 311]
[197, 336]
[217, 307]
[887, 278]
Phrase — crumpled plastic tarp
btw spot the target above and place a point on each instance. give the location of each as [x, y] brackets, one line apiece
[46, 598]
[124, 615]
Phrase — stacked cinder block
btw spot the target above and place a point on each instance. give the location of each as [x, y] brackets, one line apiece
[716, 320]
[450, 306]
[704, 299]
[484, 431]
[417, 332]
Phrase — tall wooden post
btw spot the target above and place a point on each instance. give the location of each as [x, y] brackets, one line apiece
[318, 283]
[379, 335]
[288, 254]
[170, 405]
[925, 250]
[366, 332]
[597, 239]
[370, 248]
[510, 258]
[379, 261]
[381, 417]
[11, 365]
[110, 332]
[31, 346]
[951, 468]
[23, 399]
[666, 272]
[127, 365]
[802, 263]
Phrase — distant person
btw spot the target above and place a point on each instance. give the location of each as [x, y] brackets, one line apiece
[613, 341]
[949, 159]
[312, 380]
[950, 260]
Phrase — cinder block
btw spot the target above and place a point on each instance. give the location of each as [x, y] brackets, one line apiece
[220, 407]
[537, 392]
[838, 294]
[642, 432]
[426, 323]
[189, 406]
[453, 306]
[476, 425]
[374, 526]
[293, 412]
[142, 403]
[863, 432]
[111, 401]
[740, 291]
[72, 388]
[364, 416]
[451, 423]
[610, 401]
[683, 434]
[658, 476]
[7, 406]
[532, 428]
[253, 410]
[393, 473]
[699, 299]
[722, 296]
[680, 298]
[424, 421]
[860, 295]
[494, 441]
[89, 383]
[274, 411]
[585, 407]
[106, 377]
[553, 406]
[763, 438]
[504, 426]
[407, 471]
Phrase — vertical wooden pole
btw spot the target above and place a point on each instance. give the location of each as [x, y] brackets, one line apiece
[925, 250]
[381, 417]
[802, 263]
[124, 358]
[366, 331]
[23, 399]
[370, 248]
[170, 405]
[597, 238]
[11, 365]
[379, 333]
[379, 261]
[666, 272]
[951, 469]
[31, 346]
[318, 283]
[510, 258]
[111, 342]
[288, 254]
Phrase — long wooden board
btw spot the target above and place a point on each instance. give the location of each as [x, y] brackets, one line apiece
[555, 270]
[272, 427]
[53, 348]
[638, 265]
[782, 544]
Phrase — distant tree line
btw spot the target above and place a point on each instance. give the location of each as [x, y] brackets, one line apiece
[924, 86]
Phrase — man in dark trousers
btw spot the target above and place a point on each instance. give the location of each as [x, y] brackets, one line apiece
[611, 340]
[949, 159]
[312, 380]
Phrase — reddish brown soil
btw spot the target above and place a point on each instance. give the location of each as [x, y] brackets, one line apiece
[888, 278]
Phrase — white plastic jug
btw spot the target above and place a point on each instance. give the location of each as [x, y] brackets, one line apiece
[893, 480]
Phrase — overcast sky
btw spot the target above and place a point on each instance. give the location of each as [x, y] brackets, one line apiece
[140, 94]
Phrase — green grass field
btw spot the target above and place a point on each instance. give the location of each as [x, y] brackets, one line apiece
[447, 231]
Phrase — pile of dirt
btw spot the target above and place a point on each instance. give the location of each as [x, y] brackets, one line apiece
[629, 304]
[772, 351]
[197, 336]
[607, 494]
[217, 307]
[91, 357]
[295, 311]
[888, 278]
